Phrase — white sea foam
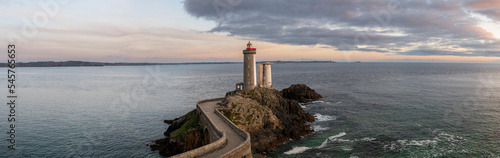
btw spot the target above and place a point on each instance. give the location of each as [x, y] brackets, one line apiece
[400, 144]
[297, 150]
[320, 117]
[449, 137]
[342, 140]
[301, 149]
[422, 142]
[323, 144]
[366, 139]
[333, 138]
[303, 105]
[317, 101]
[346, 148]
[405, 142]
[318, 128]
[440, 137]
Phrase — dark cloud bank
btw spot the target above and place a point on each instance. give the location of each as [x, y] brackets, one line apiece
[418, 27]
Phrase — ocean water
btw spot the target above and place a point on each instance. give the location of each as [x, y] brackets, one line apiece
[368, 109]
[400, 110]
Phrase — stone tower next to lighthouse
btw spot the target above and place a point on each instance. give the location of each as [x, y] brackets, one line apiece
[249, 73]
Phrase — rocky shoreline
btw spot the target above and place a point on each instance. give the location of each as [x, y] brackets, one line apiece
[271, 117]
[184, 133]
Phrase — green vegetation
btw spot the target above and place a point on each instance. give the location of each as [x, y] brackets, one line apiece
[190, 114]
[191, 125]
[251, 93]
[257, 107]
[233, 117]
[237, 122]
[250, 119]
[229, 115]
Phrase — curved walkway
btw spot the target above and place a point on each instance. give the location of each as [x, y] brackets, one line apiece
[234, 140]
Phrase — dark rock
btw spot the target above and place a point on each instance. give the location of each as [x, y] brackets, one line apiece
[188, 139]
[300, 93]
[292, 118]
[180, 144]
[169, 121]
[258, 156]
[177, 123]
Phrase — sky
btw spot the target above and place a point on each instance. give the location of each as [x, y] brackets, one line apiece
[218, 30]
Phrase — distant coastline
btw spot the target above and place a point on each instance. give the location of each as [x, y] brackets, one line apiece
[86, 63]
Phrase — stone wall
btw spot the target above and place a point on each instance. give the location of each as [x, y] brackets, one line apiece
[213, 132]
[219, 143]
[242, 150]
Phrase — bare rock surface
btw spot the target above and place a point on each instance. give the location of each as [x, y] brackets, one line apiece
[300, 93]
[248, 114]
[266, 133]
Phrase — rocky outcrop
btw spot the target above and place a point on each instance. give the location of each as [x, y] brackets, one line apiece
[267, 134]
[300, 93]
[271, 117]
[184, 133]
[248, 114]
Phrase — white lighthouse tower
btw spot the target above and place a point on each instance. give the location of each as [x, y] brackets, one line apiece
[249, 73]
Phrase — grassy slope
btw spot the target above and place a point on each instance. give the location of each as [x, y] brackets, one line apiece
[191, 125]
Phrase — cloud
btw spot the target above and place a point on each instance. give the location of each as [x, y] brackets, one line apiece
[492, 13]
[431, 52]
[489, 8]
[384, 26]
[485, 4]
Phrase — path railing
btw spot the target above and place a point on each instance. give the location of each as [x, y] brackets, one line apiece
[219, 143]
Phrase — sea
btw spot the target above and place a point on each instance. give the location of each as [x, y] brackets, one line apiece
[368, 109]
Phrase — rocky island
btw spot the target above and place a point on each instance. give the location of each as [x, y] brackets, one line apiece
[254, 118]
[271, 117]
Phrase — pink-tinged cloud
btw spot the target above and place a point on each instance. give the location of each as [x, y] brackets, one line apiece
[384, 26]
[489, 8]
[483, 4]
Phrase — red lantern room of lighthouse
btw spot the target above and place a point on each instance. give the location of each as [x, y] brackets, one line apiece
[249, 46]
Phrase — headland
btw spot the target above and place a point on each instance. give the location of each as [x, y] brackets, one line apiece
[254, 118]
[254, 121]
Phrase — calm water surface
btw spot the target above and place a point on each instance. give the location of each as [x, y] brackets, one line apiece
[369, 109]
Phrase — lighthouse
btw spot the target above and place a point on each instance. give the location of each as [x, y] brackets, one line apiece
[249, 73]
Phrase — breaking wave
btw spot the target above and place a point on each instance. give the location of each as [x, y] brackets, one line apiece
[301, 149]
[320, 117]
[319, 128]
[297, 150]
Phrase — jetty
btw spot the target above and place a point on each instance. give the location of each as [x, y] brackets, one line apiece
[227, 139]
